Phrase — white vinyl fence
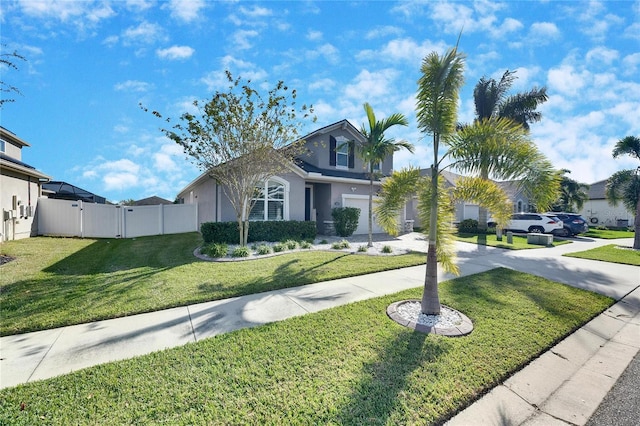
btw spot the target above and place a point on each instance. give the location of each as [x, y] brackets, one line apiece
[89, 220]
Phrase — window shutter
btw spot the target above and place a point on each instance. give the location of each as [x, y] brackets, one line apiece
[351, 155]
[332, 151]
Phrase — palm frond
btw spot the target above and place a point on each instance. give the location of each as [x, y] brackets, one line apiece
[629, 145]
[487, 194]
[624, 186]
[445, 243]
[395, 192]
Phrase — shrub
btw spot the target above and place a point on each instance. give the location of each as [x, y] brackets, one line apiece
[345, 220]
[387, 249]
[227, 232]
[339, 245]
[242, 251]
[324, 242]
[263, 249]
[291, 244]
[279, 247]
[468, 225]
[215, 250]
[362, 249]
[305, 245]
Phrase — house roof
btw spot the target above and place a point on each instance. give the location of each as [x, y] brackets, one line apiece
[10, 163]
[9, 136]
[151, 201]
[597, 190]
[65, 191]
[310, 168]
[342, 124]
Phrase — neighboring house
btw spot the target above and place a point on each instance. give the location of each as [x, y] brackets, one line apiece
[65, 191]
[151, 201]
[20, 187]
[329, 175]
[598, 211]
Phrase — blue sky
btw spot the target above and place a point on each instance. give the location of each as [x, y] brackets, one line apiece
[90, 63]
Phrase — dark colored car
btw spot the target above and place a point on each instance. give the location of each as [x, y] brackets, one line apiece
[572, 224]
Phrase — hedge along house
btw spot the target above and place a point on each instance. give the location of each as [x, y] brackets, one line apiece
[328, 175]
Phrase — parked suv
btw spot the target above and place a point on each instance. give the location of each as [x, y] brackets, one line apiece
[572, 224]
[534, 222]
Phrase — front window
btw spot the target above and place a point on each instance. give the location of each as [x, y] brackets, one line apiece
[269, 201]
[342, 152]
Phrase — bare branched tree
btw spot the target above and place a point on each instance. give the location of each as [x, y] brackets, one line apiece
[242, 138]
[8, 61]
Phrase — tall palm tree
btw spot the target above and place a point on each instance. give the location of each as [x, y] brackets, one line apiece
[625, 185]
[492, 102]
[437, 110]
[377, 147]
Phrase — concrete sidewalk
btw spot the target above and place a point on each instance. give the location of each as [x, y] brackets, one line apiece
[551, 388]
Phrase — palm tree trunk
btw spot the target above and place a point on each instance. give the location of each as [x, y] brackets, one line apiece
[370, 243]
[482, 212]
[430, 299]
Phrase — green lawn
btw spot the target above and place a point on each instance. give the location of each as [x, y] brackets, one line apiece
[61, 281]
[519, 241]
[347, 365]
[610, 253]
[608, 234]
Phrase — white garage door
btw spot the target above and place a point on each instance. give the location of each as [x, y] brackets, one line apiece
[362, 202]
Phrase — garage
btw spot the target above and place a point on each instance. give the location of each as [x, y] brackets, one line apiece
[361, 202]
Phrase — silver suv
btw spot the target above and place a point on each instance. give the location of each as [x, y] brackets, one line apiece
[534, 222]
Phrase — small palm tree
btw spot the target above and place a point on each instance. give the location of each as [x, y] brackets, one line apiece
[625, 185]
[438, 89]
[377, 147]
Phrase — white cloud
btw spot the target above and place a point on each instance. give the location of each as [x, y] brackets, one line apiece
[119, 181]
[145, 33]
[314, 35]
[633, 31]
[186, 10]
[138, 5]
[566, 80]
[368, 86]
[242, 39]
[384, 31]
[602, 55]
[256, 11]
[216, 80]
[631, 63]
[327, 51]
[57, 9]
[544, 32]
[401, 49]
[133, 86]
[175, 52]
[324, 84]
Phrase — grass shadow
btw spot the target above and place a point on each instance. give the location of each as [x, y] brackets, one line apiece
[375, 396]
